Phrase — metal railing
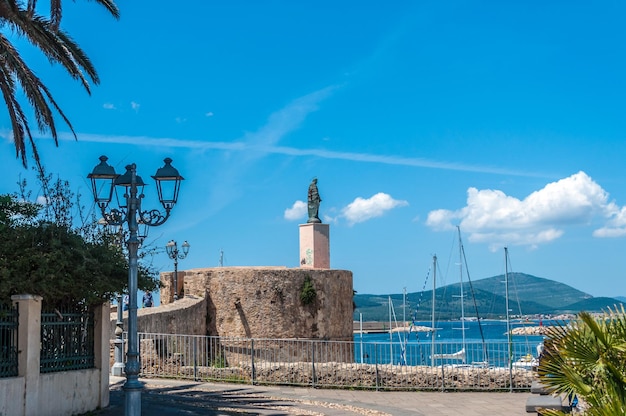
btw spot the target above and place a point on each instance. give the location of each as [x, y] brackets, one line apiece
[8, 340]
[317, 363]
[67, 340]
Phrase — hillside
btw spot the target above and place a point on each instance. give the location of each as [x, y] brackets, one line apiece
[528, 295]
[531, 288]
[593, 305]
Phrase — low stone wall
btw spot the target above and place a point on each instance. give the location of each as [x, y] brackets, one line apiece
[78, 390]
[390, 376]
[12, 391]
[285, 350]
[185, 316]
[353, 375]
[191, 363]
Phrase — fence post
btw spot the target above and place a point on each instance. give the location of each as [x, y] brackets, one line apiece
[29, 347]
[376, 363]
[252, 360]
[510, 362]
[195, 358]
[313, 363]
[102, 347]
[443, 378]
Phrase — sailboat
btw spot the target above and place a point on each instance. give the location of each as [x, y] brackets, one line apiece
[527, 361]
[460, 355]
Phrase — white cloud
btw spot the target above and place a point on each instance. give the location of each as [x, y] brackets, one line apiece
[361, 210]
[251, 144]
[329, 219]
[297, 211]
[209, 114]
[135, 106]
[493, 217]
[180, 120]
[7, 135]
[616, 224]
[495, 240]
[109, 106]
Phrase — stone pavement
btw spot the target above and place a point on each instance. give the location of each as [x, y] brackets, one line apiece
[180, 397]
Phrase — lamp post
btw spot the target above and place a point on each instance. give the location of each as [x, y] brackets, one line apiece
[103, 181]
[173, 253]
[119, 235]
[118, 366]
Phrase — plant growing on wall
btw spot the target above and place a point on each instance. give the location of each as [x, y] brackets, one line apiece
[307, 292]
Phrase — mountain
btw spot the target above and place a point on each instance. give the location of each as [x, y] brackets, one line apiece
[528, 295]
[620, 298]
[591, 305]
[526, 287]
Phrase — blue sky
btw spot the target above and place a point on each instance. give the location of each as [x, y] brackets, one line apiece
[505, 118]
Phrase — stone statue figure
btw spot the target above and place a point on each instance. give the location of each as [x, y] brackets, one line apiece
[314, 202]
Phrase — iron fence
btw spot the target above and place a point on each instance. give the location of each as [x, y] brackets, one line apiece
[492, 366]
[67, 340]
[8, 340]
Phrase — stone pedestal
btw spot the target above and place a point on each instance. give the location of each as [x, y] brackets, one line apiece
[314, 246]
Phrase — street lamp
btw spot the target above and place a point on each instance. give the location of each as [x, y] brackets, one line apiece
[173, 253]
[118, 236]
[103, 181]
[117, 233]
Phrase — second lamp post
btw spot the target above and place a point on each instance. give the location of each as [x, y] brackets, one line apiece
[175, 254]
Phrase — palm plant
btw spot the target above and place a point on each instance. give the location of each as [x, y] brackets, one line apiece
[43, 33]
[587, 358]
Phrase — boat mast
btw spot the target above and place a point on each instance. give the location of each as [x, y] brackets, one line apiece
[361, 334]
[390, 335]
[508, 318]
[432, 315]
[462, 294]
[404, 311]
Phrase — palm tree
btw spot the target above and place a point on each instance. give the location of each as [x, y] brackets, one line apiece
[56, 9]
[587, 358]
[43, 33]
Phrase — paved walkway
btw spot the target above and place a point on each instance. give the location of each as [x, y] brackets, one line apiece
[175, 397]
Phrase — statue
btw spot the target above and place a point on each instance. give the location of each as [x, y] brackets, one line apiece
[314, 203]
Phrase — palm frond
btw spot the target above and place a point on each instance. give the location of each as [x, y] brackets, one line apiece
[21, 17]
[587, 357]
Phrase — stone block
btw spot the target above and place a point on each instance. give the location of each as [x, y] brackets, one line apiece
[536, 402]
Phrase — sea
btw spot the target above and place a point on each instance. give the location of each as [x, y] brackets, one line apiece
[492, 348]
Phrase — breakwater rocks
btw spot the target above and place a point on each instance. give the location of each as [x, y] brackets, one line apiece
[352, 375]
[531, 330]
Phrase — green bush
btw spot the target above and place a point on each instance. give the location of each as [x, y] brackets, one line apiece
[307, 292]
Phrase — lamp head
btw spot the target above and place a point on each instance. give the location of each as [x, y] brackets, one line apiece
[102, 179]
[168, 184]
[126, 179]
[170, 247]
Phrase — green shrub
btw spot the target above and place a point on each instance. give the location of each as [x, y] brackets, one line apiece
[307, 292]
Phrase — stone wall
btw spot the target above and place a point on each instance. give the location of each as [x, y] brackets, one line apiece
[324, 373]
[186, 316]
[264, 302]
[167, 291]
